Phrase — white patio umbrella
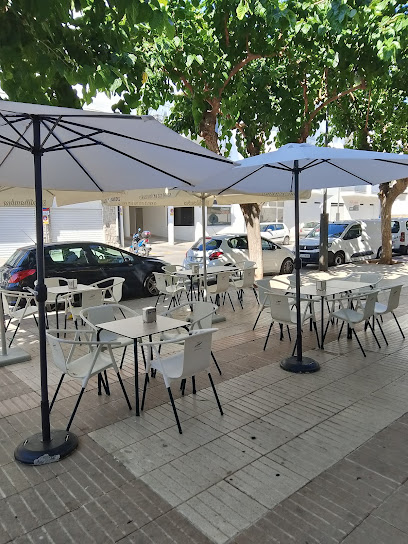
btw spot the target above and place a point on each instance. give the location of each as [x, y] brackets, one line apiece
[82, 150]
[302, 166]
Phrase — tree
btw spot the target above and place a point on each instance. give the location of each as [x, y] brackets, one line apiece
[49, 46]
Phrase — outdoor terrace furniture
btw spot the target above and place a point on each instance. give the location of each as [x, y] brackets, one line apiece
[18, 305]
[167, 285]
[281, 310]
[98, 359]
[200, 317]
[88, 298]
[355, 313]
[101, 314]
[381, 309]
[194, 358]
[220, 289]
[113, 289]
[246, 280]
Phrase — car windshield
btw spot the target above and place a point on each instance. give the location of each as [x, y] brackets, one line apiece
[310, 225]
[335, 231]
[395, 226]
[211, 244]
[265, 227]
[18, 258]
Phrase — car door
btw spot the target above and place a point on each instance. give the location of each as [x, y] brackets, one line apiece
[112, 261]
[238, 249]
[279, 233]
[357, 246]
[70, 261]
[271, 255]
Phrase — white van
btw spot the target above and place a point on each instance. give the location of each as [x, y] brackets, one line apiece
[348, 241]
[399, 233]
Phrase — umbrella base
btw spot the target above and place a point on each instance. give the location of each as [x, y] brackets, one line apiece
[14, 355]
[291, 364]
[33, 451]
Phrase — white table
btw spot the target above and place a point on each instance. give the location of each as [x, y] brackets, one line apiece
[333, 287]
[65, 290]
[211, 270]
[135, 328]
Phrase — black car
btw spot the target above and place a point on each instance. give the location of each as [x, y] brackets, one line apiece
[88, 262]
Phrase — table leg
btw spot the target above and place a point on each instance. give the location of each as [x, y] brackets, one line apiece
[136, 377]
[56, 313]
[322, 323]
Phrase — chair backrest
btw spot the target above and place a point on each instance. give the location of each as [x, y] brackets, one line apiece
[58, 356]
[54, 282]
[162, 281]
[98, 314]
[93, 297]
[197, 351]
[279, 306]
[248, 277]
[202, 315]
[263, 290]
[249, 264]
[222, 284]
[16, 298]
[113, 288]
[170, 268]
[393, 298]
[370, 300]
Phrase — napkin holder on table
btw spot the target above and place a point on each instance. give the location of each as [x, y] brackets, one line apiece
[149, 314]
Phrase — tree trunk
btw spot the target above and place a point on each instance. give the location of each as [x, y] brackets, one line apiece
[387, 195]
[251, 214]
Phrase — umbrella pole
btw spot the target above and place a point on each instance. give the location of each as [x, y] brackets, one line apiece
[45, 447]
[298, 363]
[204, 246]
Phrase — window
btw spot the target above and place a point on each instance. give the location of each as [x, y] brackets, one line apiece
[210, 245]
[66, 255]
[395, 227]
[353, 232]
[107, 255]
[272, 211]
[267, 245]
[219, 215]
[240, 242]
[183, 217]
[279, 226]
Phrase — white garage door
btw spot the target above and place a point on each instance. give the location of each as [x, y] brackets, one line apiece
[72, 224]
[17, 228]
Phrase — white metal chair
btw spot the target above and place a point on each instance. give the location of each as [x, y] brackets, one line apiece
[246, 280]
[219, 289]
[194, 358]
[17, 306]
[392, 304]
[167, 286]
[93, 297]
[94, 315]
[200, 316]
[98, 359]
[113, 289]
[357, 312]
[267, 286]
[281, 310]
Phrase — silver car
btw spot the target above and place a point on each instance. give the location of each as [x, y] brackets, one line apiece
[224, 249]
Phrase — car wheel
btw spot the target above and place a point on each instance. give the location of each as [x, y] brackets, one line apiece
[339, 258]
[150, 285]
[286, 241]
[287, 266]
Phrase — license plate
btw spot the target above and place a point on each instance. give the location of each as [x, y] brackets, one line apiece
[305, 256]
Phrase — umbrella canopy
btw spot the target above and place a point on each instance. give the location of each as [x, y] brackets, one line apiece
[91, 151]
[319, 167]
[303, 166]
[62, 148]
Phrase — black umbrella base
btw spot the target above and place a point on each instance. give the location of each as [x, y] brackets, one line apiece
[33, 451]
[291, 364]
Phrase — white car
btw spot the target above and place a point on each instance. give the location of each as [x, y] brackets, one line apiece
[308, 227]
[227, 249]
[278, 232]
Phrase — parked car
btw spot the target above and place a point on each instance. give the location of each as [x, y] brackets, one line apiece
[308, 227]
[347, 241]
[227, 249]
[88, 262]
[399, 233]
[278, 232]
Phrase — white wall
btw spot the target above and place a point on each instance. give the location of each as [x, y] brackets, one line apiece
[400, 206]
[155, 220]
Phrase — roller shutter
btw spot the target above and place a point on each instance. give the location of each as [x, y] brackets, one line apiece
[17, 228]
[72, 224]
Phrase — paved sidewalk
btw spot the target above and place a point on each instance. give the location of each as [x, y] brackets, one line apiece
[298, 459]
